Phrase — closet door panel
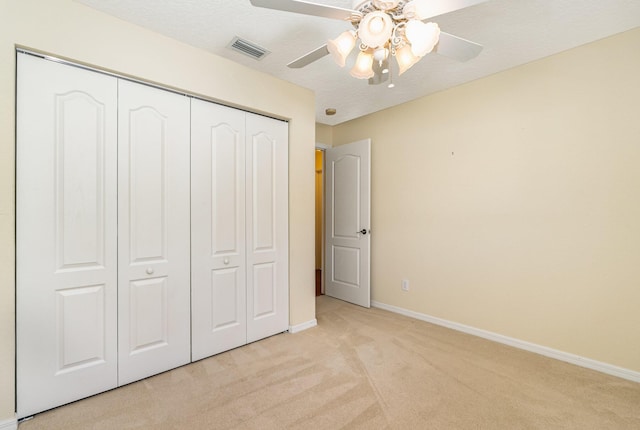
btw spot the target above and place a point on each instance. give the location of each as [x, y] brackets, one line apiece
[65, 234]
[264, 290]
[148, 307]
[148, 170]
[267, 227]
[217, 229]
[153, 215]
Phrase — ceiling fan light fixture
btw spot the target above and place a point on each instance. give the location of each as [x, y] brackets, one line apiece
[422, 36]
[383, 29]
[363, 69]
[375, 29]
[341, 47]
[405, 59]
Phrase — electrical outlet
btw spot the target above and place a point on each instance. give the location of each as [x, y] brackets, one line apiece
[405, 285]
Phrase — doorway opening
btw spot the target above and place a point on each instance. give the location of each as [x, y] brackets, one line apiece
[319, 219]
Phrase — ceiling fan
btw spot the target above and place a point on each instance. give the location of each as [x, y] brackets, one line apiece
[384, 29]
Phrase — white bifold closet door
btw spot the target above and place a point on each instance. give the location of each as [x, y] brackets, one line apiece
[239, 229]
[66, 234]
[267, 226]
[153, 231]
[218, 251]
[102, 234]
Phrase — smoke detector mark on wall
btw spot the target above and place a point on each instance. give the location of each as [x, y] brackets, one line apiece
[247, 48]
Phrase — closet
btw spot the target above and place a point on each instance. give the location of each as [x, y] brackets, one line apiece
[151, 231]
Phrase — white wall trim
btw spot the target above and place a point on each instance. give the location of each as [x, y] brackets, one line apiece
[599, 366]
[303, 326]
[10, 424]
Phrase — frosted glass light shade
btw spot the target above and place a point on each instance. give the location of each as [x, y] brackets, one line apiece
[405, 59]
[423, 37]
[418, 9]
[385, 4]
[375, 29]
[363, 69]
[341, 47]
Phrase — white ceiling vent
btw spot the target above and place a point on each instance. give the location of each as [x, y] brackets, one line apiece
[247, 48]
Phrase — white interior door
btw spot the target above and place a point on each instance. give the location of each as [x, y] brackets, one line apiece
[218, 256]
[348, 221]
[153, 225]
[267, 209]
[66, 235]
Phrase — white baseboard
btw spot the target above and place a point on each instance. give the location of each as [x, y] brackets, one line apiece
[303, 326]
[517, 343]
[10, 424]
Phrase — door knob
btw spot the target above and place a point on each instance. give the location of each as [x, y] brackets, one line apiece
[363, 231]
[225, 261]
[149, 271]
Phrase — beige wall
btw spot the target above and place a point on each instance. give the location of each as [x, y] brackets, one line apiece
[512, 203]
[324, 134]
[69, 30]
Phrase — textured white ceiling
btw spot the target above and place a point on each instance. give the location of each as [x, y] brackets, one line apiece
[513, 32]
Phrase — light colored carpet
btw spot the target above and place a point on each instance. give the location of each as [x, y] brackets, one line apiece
[363, 369]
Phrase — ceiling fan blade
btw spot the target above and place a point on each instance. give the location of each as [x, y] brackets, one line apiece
[456, 47]
[309, 58]
[307, 8]
[432, 8]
